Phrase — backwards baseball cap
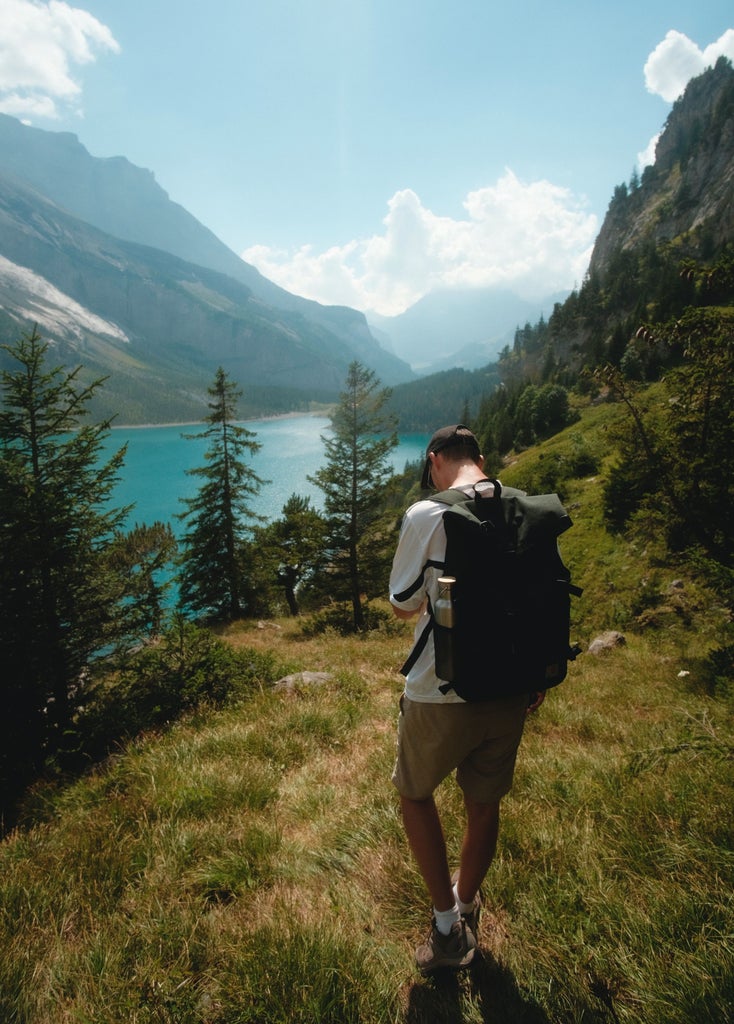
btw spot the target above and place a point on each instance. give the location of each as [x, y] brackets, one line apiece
[455, 436]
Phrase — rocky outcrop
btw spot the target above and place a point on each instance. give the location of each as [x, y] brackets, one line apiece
[300, 681]
[687, 197]
[607, 641]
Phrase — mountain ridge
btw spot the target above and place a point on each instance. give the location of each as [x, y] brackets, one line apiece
[681, 210]
[126, 201]
[682, 207]
[179, 319]
[687, 196]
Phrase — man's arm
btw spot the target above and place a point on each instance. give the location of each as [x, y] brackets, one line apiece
[407, 579]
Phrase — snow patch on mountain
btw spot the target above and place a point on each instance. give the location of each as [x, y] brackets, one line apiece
[34, 298]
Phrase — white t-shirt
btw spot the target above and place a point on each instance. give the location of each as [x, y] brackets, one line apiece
[416, 567]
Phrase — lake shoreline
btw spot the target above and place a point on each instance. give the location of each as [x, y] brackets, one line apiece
[201, 423]
[156, 475]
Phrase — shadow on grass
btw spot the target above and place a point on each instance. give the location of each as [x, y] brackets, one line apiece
[491, 989]
[487, 992]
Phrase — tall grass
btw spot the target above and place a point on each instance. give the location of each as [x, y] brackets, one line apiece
[249, 864]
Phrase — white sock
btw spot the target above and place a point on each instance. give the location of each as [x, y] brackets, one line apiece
[445, 918]
[464, 908]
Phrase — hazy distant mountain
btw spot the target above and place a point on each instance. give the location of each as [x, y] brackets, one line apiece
[158, 323]
[126, 201]
[464, 328]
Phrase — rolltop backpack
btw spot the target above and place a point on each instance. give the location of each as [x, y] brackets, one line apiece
[510, 594]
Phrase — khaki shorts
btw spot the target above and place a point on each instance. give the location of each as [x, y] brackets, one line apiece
[479, 740]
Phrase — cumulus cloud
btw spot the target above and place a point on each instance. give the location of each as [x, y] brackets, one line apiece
[646, 157]
[671, 66]
[39, 45]
[676, 60]
[534, 238]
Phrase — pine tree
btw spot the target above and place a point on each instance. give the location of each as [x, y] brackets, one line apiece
[354, 477]
[59, 600]
[218, 515]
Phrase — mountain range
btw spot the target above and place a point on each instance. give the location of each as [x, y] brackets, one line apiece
[126, 282]
[123, 280]
[465, 328]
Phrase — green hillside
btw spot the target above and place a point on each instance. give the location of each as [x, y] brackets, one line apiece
[239, 857]
[247, 864]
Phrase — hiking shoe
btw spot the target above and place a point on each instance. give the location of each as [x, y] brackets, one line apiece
[472, 918]
[453, 950]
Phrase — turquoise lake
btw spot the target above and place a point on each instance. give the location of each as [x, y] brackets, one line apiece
[154, 476]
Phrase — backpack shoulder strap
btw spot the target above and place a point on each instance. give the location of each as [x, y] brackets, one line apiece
[458, 500]
[418, 647]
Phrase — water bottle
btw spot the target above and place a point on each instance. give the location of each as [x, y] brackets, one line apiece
[443, 615]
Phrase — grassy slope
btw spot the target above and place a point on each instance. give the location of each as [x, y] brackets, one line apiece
[249, 865]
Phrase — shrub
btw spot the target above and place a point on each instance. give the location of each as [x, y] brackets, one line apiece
[187, 668]
[583, 460]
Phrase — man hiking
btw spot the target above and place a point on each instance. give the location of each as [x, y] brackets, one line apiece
[439, 732]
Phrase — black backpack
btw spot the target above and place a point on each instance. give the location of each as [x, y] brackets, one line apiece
[512, 595]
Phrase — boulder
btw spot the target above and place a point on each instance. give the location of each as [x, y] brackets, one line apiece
[607, 642]
[301, 680]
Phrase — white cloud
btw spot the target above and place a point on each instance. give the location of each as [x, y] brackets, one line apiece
[671, 66]
[675, 61]
[647, 157]
[534, 238]
[39, 44]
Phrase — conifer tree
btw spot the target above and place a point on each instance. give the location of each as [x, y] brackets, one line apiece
[218, 517]
[354, 478]
[59, 600]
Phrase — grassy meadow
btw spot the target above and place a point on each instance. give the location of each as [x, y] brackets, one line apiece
[248, 864]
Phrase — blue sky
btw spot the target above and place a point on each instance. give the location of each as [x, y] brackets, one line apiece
[367, 152]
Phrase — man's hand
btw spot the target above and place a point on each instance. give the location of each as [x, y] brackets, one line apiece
[535, 700]
[401, 613]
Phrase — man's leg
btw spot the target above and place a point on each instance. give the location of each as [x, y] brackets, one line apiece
[426, 839]
[451, 943]
[478, 847]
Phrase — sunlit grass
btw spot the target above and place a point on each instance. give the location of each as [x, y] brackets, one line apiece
[249, 864]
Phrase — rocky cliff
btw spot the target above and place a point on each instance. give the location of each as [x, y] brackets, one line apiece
[687, 196]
